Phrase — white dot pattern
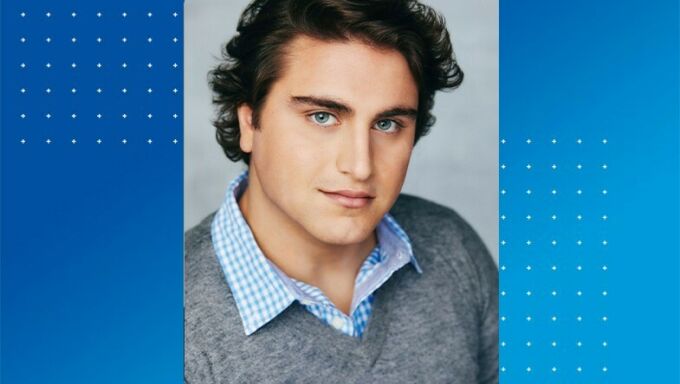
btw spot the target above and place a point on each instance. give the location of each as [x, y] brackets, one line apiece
[82, 76]
[554, 214]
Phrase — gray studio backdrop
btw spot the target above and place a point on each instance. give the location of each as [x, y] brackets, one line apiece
[455, 165]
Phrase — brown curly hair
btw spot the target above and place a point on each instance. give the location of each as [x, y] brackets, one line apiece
[251, 59]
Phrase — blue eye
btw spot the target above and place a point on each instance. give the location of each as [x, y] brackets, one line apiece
[323, 118]
[387, 125]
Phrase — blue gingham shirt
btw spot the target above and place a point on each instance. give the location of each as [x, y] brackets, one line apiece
[262, 291]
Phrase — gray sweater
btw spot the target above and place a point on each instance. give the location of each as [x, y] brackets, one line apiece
[438, 327]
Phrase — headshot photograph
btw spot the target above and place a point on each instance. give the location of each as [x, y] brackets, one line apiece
[341, 191]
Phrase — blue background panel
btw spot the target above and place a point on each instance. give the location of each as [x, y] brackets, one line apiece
[91, 215]
[92, 264]
[589, 191]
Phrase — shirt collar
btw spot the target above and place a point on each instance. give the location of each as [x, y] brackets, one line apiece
[256, 284]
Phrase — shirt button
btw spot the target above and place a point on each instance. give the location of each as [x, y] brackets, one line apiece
[338, 323]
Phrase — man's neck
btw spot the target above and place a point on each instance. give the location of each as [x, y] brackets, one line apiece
[330, 267]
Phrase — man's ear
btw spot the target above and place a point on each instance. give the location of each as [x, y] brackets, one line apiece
[245, 123]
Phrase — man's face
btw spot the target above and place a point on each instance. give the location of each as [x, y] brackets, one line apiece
[338, 122]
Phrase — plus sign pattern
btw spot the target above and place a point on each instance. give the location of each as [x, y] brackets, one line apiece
[93, 75]
[554, 257]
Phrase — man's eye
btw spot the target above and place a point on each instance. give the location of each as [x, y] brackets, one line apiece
[389, 126]
[323, 118]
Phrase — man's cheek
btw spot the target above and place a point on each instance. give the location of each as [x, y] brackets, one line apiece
[306, 154]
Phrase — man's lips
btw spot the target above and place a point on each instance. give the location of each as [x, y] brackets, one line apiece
[350, 198]
[350, 193]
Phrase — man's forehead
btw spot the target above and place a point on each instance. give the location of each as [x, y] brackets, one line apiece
[351, 70]
[304, 48]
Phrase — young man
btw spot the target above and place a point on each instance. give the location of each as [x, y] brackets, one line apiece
[315, 268]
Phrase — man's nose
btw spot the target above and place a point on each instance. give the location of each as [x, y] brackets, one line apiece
[354, 157]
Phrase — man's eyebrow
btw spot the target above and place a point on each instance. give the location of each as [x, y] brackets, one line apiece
[322, 102]
[399, 111]
[344, 108]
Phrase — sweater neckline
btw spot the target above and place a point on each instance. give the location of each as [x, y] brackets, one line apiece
[366, 349]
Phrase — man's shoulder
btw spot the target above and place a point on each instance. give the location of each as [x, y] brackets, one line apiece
[440, 234]
[454, 259]
[198, 237]
[201, 267]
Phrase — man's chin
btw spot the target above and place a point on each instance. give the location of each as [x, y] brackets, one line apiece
[343, 235]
